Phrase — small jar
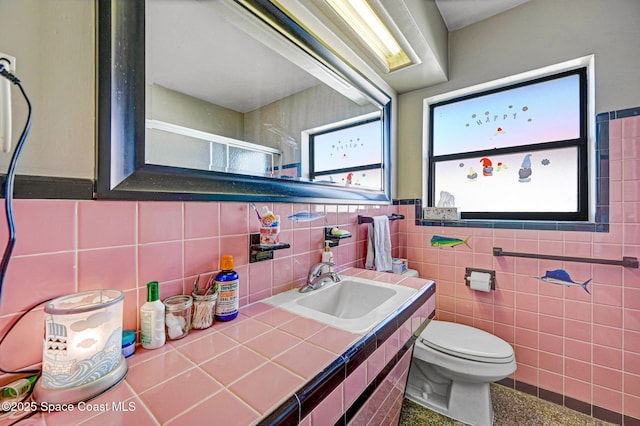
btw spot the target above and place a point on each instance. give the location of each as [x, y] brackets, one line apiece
[204, 310]
[128, 343]
[177, 318]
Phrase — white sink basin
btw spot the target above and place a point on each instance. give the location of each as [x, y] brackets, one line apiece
[353, 304]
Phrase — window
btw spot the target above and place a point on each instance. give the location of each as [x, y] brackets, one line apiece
[348, 155]
[519, 152]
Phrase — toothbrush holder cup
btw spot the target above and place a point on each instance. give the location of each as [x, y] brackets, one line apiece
[269, 235]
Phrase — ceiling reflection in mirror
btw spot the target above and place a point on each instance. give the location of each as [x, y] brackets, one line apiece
[227, 93]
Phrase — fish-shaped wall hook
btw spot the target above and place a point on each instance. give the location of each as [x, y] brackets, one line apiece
[306, 216]
[438, 241]
[561, 277]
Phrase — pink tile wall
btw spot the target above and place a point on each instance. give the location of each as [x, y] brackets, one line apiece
[65, 246]
[383, 407]
[567, 341]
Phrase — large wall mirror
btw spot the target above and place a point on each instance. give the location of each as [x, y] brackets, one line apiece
[232, 100]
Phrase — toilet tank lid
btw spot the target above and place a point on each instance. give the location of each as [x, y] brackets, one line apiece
[466, 342]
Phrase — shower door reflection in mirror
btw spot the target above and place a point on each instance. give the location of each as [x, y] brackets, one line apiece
[226, 93]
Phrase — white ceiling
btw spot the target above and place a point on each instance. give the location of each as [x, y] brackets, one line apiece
[415, 22]
[191, 48]
[460, 13]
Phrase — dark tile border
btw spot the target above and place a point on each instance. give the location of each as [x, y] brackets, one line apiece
[507, 382]
[630, 421]
[406, 202]
[50, 188]
[621, 113]
[307, 398]
[526, 388]
[358, 354]
[320, 387]
[608, 415]
[571, 403]
[577, 405]
[547, 395]
[287, 414]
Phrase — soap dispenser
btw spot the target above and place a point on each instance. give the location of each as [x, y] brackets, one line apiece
[327, 254]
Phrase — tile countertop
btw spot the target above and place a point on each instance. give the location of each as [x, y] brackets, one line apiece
[235, 372]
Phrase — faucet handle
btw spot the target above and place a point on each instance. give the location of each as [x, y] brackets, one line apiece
[317, 268]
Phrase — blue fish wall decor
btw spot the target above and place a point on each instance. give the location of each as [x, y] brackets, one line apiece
[562, 277]
[305, 216]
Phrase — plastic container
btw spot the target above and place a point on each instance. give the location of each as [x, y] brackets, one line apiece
[268, 218]
[178, 316]
[17, 390]
[269, 236]
[204, 310]
[227, 283]
[128, 343]
[152, 334]
[398, 265]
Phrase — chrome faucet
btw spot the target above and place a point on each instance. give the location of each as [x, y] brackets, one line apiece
[317, 278]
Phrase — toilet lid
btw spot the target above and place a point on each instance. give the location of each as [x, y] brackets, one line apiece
[466, 342]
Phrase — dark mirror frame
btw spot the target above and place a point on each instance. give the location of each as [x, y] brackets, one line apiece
[121, 169]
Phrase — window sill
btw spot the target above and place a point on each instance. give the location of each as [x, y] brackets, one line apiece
[600, 225]
[519, 224]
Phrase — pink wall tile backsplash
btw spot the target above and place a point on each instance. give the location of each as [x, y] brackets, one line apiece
[117, 220]
[583, 346]
[65, 246]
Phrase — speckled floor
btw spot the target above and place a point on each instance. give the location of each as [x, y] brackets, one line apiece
[510, 407]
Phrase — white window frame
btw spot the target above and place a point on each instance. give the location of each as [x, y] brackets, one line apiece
[587, 62]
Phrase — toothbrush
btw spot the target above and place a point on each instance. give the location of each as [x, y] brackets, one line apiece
[253, 206]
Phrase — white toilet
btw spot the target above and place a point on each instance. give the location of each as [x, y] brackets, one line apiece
[452, 367]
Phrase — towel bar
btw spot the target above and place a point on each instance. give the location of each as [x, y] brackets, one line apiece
[367, 219]
[627, 262]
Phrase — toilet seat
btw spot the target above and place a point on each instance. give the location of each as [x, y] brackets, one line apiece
[466, 342]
